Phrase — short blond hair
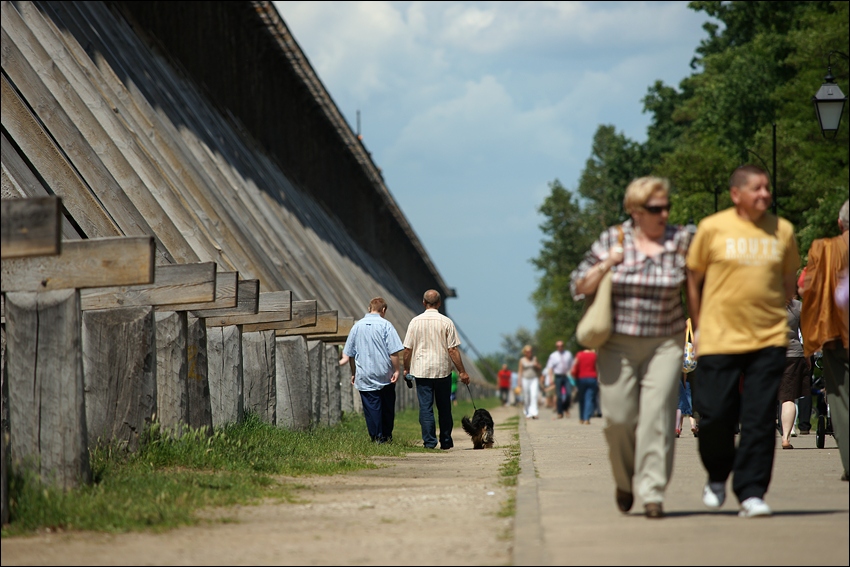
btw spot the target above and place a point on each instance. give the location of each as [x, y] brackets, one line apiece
[641, 189]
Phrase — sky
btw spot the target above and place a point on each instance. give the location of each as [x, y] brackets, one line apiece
[471, 110]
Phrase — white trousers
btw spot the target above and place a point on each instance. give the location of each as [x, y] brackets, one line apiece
[530, 392]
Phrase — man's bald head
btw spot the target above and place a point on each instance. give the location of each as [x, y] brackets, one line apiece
[431, 299]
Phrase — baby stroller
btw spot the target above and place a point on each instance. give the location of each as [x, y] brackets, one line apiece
[824, 425]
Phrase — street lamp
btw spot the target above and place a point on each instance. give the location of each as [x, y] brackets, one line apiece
[829, 100]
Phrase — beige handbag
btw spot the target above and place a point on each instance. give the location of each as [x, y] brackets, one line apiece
[594, 328]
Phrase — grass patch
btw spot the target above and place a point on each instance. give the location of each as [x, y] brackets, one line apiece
[509, 470]
[170, 478]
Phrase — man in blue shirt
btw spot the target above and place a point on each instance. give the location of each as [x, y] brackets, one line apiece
[372, 348]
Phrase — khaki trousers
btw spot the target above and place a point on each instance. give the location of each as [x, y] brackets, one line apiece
[639, 391]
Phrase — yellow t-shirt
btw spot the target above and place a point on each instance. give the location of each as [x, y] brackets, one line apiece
[743, 296]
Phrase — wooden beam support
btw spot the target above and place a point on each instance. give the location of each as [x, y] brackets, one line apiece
[247, 301]
[30, 227]
[344, 325]
[326, 324]
[96, 262]
[225, 295]
[273, 306]
[303, 315]
[173, 284]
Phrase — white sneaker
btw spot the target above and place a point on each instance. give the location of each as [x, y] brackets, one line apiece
[753, 507]
[714, 494]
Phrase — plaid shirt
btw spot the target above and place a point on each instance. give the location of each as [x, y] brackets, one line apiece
[646, 291]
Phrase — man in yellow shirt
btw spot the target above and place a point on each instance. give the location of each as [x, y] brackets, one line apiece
[742, 267]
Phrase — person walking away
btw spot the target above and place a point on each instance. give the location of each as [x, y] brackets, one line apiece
[529, 371]
[823, 321]
[584, 370]
[795, 380]
[685, 408]
[504, 380]
[454, 388]
[742, 268]
[430, 348]
[372, 349]
[558, 368]
[641, 363]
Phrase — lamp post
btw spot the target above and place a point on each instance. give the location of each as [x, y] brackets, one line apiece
[829, 101]
[771, 172]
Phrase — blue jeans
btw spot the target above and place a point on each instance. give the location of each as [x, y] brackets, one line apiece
[587, 390]
[562, 391]
[379, 412]
[435, 391]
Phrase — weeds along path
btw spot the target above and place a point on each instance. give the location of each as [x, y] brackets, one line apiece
[435, 508]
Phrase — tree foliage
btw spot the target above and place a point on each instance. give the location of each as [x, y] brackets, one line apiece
[756, 70]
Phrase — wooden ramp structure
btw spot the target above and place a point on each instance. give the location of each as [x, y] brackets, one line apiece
[190, 228]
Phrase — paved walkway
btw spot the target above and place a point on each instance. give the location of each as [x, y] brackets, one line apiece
[566, 514]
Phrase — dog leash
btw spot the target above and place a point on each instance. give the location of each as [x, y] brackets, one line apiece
[470, 397]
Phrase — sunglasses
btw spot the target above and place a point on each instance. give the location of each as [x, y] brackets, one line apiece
[656, 209]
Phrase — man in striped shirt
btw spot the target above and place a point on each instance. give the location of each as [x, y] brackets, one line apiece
[430, 348]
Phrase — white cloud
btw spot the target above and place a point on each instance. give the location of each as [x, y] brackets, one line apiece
[478, 105]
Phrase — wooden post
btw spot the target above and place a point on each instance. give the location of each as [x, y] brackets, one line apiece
[331, 370]
[198, 384]
[30, 227]
[47, 412]
[315, 352]
[119, 361]
[172, 371]
[224, 363]
[293, 384]
[259, 375]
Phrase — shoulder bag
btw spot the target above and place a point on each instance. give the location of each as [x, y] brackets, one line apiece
[689, 362]
[596, 323]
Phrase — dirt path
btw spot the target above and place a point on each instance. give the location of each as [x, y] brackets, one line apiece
[436, 508]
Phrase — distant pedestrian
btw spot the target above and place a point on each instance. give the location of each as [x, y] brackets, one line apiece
[823, 322]
[558, 368]
[529, 371]
[796, 376]
[504, 379]
[372, 349]
[641, 364]
[454, 388]
[742, 268]
[430, 348]
[585, 370]
[685, 408]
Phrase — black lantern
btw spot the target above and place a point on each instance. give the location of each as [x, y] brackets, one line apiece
[829, 101]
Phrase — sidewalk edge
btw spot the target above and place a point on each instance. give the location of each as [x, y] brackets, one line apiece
[528, 548]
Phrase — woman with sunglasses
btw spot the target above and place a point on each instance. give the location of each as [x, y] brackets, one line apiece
[640, 365]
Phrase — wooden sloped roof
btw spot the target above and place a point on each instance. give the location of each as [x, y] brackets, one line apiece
[237, 155]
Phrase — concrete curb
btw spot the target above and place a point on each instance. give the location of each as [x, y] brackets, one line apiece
[528, 532]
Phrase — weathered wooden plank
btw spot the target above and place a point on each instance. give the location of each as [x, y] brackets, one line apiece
[326, 323]
[17, 181]
[200, 411]
[330, 367]
[304, 314]
[172, 285]
[119, 350]
[258, 374]
[225, 294]
[292, 384]
[60, 176]
[318, 384]
[30, 227]
[123, 260]
[344, 325]
[272, 306]
[33, 71]
[224, 363]
[247, 301]
[172, 371]
[47, 421]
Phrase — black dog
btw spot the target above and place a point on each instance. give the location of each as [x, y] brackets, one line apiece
[480, 428]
